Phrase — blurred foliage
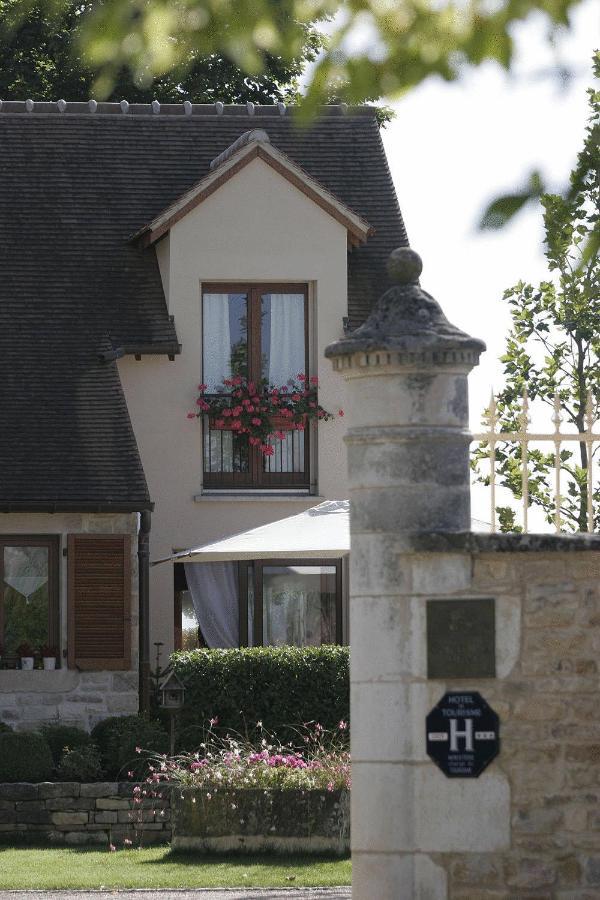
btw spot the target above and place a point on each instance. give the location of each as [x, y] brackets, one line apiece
[405, 41]
[43, 56]
[554, 342]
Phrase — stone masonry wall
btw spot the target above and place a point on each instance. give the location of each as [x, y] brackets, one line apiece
[76, 814]
[547, 695]
[28, 699]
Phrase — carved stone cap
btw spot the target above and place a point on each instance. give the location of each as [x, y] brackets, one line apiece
[407, 319]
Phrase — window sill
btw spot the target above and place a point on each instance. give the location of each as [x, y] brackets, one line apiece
[46, 680]
[258, 496]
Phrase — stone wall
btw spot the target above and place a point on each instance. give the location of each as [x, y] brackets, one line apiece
[529, 826]
[76, 814]
[547, 696]
[28, 699]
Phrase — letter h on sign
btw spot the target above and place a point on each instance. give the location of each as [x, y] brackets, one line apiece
[455, 734]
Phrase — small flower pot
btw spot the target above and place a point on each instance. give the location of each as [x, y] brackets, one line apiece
[27, 662]
[49, 663]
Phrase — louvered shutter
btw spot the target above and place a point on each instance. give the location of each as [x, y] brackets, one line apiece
[99, 601]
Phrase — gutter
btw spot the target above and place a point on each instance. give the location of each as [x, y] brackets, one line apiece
[144, 610]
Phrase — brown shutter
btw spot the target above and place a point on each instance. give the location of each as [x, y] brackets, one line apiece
[99, 601]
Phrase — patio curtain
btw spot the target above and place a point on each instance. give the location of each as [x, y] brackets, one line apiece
[286, 350]
[214, 590]
[216, 350]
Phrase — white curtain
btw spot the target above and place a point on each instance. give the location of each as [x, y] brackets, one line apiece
[286, 351]
[214, 590]
[216, 350]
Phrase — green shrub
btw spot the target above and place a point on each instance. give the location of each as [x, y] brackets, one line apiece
[4, 728]
[284, 687]
[80, 764]
[117, 739]
[61, 736]
[24, 756]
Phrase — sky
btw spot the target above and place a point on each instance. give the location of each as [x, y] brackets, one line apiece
[453, 147]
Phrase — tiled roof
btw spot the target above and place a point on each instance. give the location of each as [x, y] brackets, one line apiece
[75, 183]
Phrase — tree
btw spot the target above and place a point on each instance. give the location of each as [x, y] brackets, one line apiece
[553, 346]
[408, 40]
[42, 56]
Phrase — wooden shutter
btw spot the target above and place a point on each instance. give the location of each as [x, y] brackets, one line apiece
[99, 601]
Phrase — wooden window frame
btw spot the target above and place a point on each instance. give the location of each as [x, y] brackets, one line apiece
[52, 542]
[258, 567]
[256, 478]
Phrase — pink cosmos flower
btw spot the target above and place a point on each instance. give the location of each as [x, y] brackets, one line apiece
[340, 412]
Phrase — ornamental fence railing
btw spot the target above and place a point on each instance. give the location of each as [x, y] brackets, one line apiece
[559, 471]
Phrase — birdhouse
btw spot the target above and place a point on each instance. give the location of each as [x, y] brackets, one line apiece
[172, 693]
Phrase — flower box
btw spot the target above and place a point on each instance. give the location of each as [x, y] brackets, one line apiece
[220, 820]
[277, 423]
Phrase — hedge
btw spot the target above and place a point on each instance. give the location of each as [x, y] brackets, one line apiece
[283, 687]
[24, 756]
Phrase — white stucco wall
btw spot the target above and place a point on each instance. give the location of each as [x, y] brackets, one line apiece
[256, 227]
[80, 698]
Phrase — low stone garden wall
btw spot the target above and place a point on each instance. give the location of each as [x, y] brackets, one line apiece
[76, 814]
[279, 821]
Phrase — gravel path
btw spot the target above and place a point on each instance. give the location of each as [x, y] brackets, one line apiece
[341, 893]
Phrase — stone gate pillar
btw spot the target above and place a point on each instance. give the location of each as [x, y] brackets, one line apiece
[408, 459]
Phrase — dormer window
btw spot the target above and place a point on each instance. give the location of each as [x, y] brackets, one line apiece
[260, 332]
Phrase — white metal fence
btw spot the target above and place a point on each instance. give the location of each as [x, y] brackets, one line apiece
[523, 437]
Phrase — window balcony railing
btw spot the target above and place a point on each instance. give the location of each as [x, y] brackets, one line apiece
[231, 463]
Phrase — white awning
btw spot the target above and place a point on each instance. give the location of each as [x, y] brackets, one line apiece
[320, 532]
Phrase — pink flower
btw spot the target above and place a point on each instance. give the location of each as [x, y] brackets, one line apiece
[191, 416]
[249, 407]
[237, 410]
[236, 424]
[299, 426]
[127, 842]
[284, 389]
[302, 378]
[251, 388]
[256, 421]
[295, 397]
[214, 721]
[343, 725]
[138, 749]
[219, 423]
[237, 379]
[202, 387]
[254, 441]
[112, 848]
[226, 412]
[314, 379]
[267, 449]
[280, 435]
[340, 412]
[202, 404]
[274, 392]
[330, 786]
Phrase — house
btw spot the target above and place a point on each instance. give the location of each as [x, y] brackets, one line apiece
[142, 249]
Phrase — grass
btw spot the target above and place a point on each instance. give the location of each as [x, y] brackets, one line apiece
[158, 867]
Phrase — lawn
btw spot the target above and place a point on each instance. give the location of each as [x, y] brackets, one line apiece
[158, 867]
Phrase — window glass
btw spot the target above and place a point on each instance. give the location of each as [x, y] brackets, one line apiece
[299, 605]
[189, 623]
[25, 606]
[282, 337]
[224, 338]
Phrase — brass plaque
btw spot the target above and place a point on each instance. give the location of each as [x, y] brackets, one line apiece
[461, 638]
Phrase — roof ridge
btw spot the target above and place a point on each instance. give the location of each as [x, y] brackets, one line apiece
[186, 108]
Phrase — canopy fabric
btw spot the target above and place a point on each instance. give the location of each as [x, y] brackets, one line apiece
[322, 532]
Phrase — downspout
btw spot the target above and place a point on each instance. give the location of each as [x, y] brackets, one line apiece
[144, 609]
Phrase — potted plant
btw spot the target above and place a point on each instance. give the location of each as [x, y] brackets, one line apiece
[48, 655]
[26, 652]
[263, 412]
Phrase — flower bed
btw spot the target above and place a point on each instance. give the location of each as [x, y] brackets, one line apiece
[232, 795]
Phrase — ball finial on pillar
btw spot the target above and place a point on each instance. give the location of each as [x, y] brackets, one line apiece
[404, 265]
